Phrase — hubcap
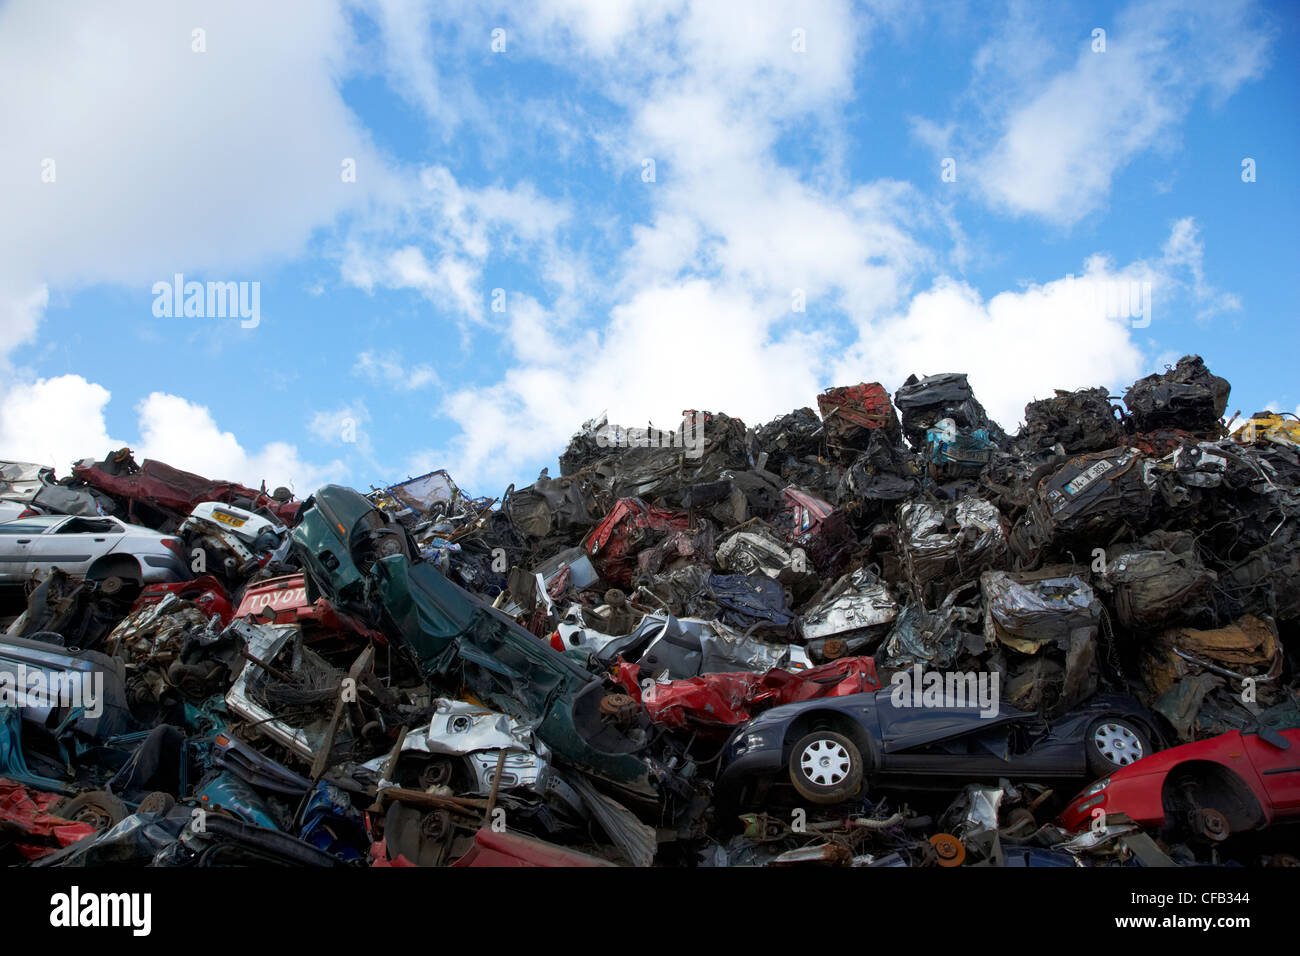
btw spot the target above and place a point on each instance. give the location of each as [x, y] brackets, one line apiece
[1117, 744]
[825, 762]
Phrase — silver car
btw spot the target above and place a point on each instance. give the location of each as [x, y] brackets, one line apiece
[89, 547]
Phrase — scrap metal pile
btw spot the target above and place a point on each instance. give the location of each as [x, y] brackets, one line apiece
[882, 633]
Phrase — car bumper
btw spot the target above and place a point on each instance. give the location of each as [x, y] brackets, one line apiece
[756, 761]
[159, 568]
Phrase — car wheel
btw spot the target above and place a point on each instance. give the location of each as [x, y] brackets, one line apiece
[1114, 742]
[157, 802]
[826, 767]
[99, 808]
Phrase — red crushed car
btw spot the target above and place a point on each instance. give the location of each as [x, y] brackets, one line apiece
[630, 526]
[37, 831]
[1236, 781]
[205, 591]
[852, 412]
[284, 600]
[174, 493]
[726, 700]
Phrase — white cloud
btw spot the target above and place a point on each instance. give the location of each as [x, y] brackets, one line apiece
[165, 159]
[54, 421]
[185, 435]
[171, 429]
[1015, 347]
[20, 315]
[343, 426]
[391, 370]
[1185, 250]
[1057, 147]
[460, 226]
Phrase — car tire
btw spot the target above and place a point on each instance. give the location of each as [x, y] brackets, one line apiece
[826, 767]
[1113, 743]
[98, 807]
[157, 802]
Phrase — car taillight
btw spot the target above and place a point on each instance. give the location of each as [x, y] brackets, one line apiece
[29, 513]
[174, 545]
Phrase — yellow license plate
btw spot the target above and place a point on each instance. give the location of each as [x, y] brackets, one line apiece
[231, 520]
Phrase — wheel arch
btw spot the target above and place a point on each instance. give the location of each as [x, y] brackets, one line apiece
[119, 565]
[1226, 791]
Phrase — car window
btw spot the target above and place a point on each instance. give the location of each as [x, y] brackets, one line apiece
[34, 525]
[90, 526]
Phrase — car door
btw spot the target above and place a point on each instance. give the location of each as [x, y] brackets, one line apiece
[73, 544]
[16, 538]
[1279, 768]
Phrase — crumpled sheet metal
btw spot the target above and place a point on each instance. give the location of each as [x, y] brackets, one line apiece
[857, 602]
[1181, 703]
[975, 811]
[851, 412]
[1187, 396]
[1087, 499]
[265, 642]
[614, 543]
[727, 700]
[746, 601]
[755, 551]
[30, 811]
[1246, 648]
[1152, 586]
[1080, 421]
[1263, 427]
[156, 632]
[923, 401]
[920, 636]
[1027, 611]
[459, 727]
[952, 543]
[726, 650]
[462, 729]
[955, 451]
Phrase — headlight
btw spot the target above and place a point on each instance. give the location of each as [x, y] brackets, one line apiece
[1097, 787]
[747, 742]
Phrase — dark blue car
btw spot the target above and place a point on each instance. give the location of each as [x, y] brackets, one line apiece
[828, 748]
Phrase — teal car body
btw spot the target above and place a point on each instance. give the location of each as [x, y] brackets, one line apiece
[458, 638]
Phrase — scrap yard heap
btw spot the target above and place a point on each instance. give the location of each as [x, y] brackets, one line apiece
[882, 633]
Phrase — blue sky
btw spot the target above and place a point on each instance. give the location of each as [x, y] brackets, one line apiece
[798, 152]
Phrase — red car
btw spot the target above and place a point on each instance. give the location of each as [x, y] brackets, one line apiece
[173, 493]
[205, 591]
[284, 600]
[1236, 781]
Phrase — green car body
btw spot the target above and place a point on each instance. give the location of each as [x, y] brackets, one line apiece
[458, 637]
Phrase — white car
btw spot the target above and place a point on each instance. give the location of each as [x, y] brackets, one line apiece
[98, 548]
[9, 510]
[236, 538]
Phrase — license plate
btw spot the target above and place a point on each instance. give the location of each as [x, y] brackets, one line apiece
[231, 520]
[1088, 477]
